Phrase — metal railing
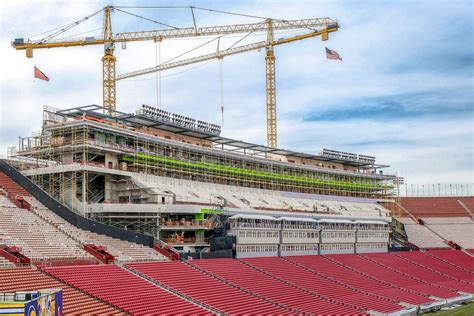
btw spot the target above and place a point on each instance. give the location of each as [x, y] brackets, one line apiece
[184, 241]
[189, 224]
[436, 189]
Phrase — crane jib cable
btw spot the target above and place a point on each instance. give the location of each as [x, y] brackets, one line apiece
[68, 27]
[147, 19]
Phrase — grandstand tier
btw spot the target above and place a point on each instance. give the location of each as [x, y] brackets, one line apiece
[43, 236]
[421, 235]
[38, 239]
[436, 206]
[458, 229]
[439, 232]
[122, 250]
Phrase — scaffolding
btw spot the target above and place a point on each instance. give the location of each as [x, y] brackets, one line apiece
[123, 142]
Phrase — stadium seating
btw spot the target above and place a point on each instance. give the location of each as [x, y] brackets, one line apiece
[297, 300]
[122, 250]
[421, 236]
[388, 274]
[5, 202]
[434, 206]
[124, 290]
[201, 193]
[438, 265]
[322, 284]
[5, 263]
[457, 229]
[10, 186]
[457, 258]
[205, 289]
[38, 239]
[75, 302]
[469, 203]
[425, 273]
[325, 266]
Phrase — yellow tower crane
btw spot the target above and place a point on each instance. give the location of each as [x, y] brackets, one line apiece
[318, 26]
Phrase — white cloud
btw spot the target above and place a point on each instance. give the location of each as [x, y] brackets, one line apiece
[375, 38]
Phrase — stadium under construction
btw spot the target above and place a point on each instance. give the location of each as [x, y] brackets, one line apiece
[104, 212]
[146, 170]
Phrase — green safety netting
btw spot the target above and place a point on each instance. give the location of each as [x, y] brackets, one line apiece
[217, 169]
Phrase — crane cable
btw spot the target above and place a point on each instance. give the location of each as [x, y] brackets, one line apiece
[215, 11]
[221, 81]
[158, 73]
[68, 27]
[146, 19]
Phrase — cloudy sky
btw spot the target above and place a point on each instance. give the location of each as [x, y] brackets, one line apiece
[403, 92]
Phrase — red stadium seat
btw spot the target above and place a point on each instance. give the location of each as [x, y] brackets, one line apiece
[205, 289]
[74, 301]
[124, 290]
[323, 284]
[299, 301]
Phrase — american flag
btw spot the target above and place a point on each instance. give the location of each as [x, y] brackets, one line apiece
[40, 75]
[331, 54]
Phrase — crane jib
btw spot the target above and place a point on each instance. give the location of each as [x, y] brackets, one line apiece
[317, 26]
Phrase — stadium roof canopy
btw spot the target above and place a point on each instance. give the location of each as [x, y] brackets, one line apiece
[142, 120]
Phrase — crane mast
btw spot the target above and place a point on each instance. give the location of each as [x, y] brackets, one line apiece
[108, 66]
[270, 88]
[319, 26]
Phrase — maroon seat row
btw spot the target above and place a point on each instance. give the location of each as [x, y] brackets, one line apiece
[385, 291]
[124, 290]
[74, 301]
[418, 265]
[298, 300]
[200, 286]
[436, 206]
[11, 186]
[320, 281]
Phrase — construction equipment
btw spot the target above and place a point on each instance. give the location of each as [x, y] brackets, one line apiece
[319, 26]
